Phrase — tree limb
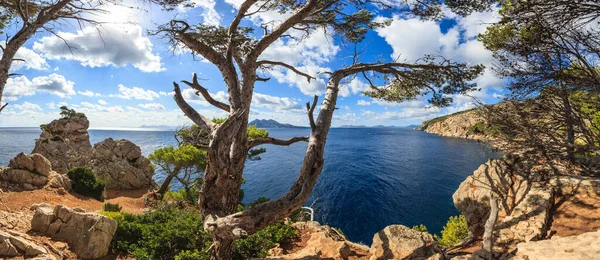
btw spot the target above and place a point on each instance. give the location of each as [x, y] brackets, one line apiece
[310, 109]
[2, 107]
[275, 141]
[190, 112]
[283, 64]
[202, 90]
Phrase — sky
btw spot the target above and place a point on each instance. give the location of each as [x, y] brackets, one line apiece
[120, 76]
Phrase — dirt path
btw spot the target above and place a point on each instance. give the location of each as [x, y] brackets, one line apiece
[576, 214]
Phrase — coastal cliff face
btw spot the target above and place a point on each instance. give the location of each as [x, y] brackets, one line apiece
[468, 124]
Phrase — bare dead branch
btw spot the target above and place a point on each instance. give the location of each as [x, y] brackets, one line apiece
[2, 108]
[290, 67]
[310, 109]
[190, 112]
[202, 90]
[275, 141]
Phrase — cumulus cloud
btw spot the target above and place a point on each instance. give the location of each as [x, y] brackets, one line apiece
[405, 113]
[209, 13]
[116, 45]
[28, 59]
[135, 93]
[54, 84]
[153, 106]
[355, 86]
[88, 93]
[27, 106]
[102, 102]
[53, 105]
[363, 103]
[275, 103]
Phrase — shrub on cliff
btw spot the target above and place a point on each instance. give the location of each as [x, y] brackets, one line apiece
[85, 183]
[173, 233]
[454, 231]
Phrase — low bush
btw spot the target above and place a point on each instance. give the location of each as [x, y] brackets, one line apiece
[111, 207]
[85, 183]
[454, 231]
[173, 233]
[420, 228]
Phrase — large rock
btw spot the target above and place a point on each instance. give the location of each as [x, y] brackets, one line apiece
[33, 172]
[64, 142]
[88, 234]
[321, 242]
[400, 242]
[456, 125]
[120, 164]
[505, 177]
[584, 246]
[14, 244]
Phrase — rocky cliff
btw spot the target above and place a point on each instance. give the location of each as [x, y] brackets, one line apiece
[66, 144]
[468, 124]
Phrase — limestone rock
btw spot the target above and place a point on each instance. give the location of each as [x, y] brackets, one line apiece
[13, 244]
[41, 164]
[120, 165]
[32, 172]
[64, 142]
[456, 125]
[23, 177]
[88, 234]
[472, 196]
[400, 242]
[59, 181]
[18, 221]
[322, 242]
[22, 162]
[584, 246]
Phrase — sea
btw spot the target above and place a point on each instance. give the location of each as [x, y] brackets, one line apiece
[372, 177]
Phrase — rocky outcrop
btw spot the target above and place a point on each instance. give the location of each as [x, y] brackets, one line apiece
[468, 124]
[400, 242]
[120, 164]
[321, 242]
[64, 142]
[15, 244]
[33, 172]
[526, 199]
[88, 234]
[584, 246]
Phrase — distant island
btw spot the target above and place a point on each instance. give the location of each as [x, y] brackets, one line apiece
[270, 123]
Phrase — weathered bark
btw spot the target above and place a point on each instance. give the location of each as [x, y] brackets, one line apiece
[570, 128]
[488, 235]
[165, 185]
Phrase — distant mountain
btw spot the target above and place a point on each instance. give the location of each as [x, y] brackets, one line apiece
[353, 126]
[270, 123]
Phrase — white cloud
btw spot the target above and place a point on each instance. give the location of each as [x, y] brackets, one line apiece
[355, 86]
[190, 96]
[87, 107]
[210, 15]
[110, 45]
[153, 106]
[53, 105]
[135, 93]
[32, 60]
[275, 103]
[102, 102]
[27, 106]
[88, 93]
[363, 103]
[405, 113]
[54, 84]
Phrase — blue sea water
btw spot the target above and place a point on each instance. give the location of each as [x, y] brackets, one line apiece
[373, 177]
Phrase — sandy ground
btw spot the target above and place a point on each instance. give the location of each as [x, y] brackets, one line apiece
[576, 214]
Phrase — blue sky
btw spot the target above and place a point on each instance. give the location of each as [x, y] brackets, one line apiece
[122, 77]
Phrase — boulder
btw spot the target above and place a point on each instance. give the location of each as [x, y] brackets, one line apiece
[321, 242]
[14, 244]
[32, 172]
[120, 165]
[64, 142]
[88, 234]
[503, 177]
[400, 242]
[584, 246]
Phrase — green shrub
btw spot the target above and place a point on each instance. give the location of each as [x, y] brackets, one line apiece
[258, 244]
[85, 183]
[420, 228]
[111, 207]
[172, 233]
[454, 231]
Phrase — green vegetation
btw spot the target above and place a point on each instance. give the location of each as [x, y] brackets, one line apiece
[111, 207]
[185, 163]
[173, 233]
[67, 113]
[420, 228]
[454, 231]
[85, 183]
